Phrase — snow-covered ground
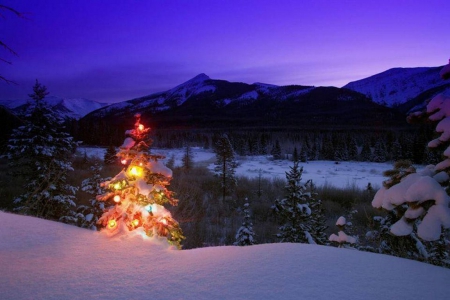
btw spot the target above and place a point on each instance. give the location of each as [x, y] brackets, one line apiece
[41, 259]
[343, 174]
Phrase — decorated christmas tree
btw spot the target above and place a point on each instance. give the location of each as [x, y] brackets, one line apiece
[139, 192]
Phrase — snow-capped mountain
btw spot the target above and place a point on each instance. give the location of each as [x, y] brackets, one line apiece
[398, 85]
[71, 108]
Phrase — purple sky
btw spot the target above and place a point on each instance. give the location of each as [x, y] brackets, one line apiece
[112, 51]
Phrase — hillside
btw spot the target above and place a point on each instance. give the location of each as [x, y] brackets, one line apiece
[398, 85]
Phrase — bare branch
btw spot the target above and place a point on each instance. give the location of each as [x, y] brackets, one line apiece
[7, 81]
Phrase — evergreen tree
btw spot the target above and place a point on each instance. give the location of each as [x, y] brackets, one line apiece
[40, 151]
[342, 239]
[225, 165]
[379, 152]
[293, 212]
[245, 234]
[276, 150]
[352, 150]
[366, 152]
[90, 214]
[396, 152]
[110, 157]
[139, 192]
[317, 221]
[186, 161]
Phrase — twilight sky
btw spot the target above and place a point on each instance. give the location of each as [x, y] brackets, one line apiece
[112, 51]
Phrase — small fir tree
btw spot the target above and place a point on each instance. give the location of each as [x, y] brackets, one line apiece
[187, 161]
[225, 166]
[110, 157]
[276, 150]
[139, 192]
[245, 234]
[293, 212]
[342, 239]
[40, 151]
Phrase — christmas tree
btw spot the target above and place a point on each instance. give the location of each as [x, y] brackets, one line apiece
[139, 192]
[245, 234]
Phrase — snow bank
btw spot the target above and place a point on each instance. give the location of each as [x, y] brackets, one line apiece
[41, 259]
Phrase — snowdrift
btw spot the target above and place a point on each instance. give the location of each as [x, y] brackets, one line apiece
[41, 259]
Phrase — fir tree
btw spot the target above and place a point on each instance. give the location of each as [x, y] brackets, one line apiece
[90, 214]
[245, 234]
[317, 221]
[40, 151]
[110, 157]
[276, 150]
[225, 166]
[139, 192]
[186, 161]
[366, 152]
[342, 239]
[293, 212]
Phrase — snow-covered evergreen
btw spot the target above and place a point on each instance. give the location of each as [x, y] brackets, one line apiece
[245, 234]
[342, 238]
[40, 152]
[226, 164]
[139, 192]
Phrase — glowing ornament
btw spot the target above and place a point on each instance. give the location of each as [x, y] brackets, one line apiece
[117, 198]
[141, 127]
[112, 223]
[117, 186]
[135, 222]
[123, 161]
[164, 221]
[149, 208]
[136, 171]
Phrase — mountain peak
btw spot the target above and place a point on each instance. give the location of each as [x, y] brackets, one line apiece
[200, 77]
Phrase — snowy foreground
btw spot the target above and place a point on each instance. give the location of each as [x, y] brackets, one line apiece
[344, 174]
[41, 259]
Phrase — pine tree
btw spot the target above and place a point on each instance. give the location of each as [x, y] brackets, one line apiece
[245, 234]
[40, 151]
[110, 157]
[379, 152]
[139, 192]
[187, 161]
[317, 221]
[92, 213]
[423, 197]
[293, 212]
[366, 152]
[276, 150]
[225, 165]
[342, 239]
[352, 150]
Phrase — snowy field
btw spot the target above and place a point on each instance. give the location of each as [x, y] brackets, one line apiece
[343, 174]
[41, 259]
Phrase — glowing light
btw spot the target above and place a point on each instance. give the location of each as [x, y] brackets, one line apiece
[135, 222]
[149, 208]
[117, 186]
[112, 223]
[164, 221]
[117, 198]
[123, 161]
[136, 171]
[141, 127]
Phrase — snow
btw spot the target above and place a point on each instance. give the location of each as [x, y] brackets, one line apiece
[342, 237]
[41, 259]
[341, 221]
[344, 174]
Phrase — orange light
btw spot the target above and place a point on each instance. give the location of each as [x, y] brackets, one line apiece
[141, 127]
[112, 223]
[123, 161]
[136, 171]
[135, 222]
[117, 198]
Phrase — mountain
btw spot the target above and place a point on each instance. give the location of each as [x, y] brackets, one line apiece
[202, 102]
[398, 86]
[42, 259]
[71, 108]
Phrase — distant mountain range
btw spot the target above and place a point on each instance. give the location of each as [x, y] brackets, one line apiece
[70, 108]
[380, 100]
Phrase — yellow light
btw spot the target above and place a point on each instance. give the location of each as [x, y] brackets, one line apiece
[117, 186]
[141, 127]
[135, 222]
[136, 171]
[117, 198]
[112, 223]
[164, 221]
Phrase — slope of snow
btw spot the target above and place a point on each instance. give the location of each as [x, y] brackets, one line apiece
[41, 259]
[191, 87]
[397, 86]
